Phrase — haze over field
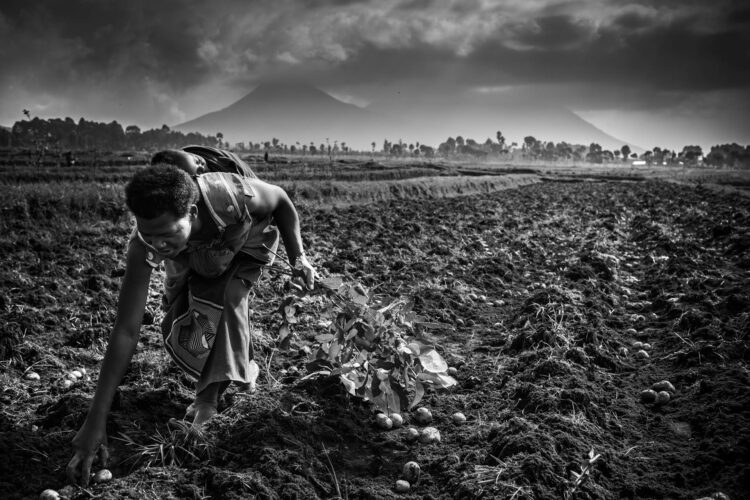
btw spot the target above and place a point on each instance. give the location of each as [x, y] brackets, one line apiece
[649, 73]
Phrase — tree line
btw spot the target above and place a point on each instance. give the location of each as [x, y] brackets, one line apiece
[731, 155]
[57, 133]
[39, 138]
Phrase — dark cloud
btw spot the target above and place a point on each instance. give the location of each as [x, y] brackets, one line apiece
[408, 5]
[411, 64]
[662, 57]
[739, 16]
[553, 33]
[633, 21]
[182, 44]
[466, 7]
[333, 3]
[88, 41]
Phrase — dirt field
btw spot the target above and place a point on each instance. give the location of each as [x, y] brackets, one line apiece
[541, 291]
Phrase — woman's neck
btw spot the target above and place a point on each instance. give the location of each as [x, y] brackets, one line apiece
[202, 225]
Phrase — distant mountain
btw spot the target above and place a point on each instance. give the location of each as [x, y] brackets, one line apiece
[293, 113]
[302, 113]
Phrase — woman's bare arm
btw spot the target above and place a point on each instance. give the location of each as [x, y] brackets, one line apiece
[273, 200]
[120, 349]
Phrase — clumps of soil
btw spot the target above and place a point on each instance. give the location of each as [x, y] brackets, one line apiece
[537, 297]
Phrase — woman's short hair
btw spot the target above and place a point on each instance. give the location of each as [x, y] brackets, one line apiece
[161, 188]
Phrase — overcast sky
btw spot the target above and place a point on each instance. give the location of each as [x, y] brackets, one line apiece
[651, 72]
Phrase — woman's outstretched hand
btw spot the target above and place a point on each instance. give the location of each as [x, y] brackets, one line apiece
[90, 440]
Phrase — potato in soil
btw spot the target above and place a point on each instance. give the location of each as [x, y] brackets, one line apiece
[396, 419]
[423, 416]
[383, 422]
[664, 385]
[648, 396]
[411, 471]
[429, 435]
[458, 418]
[402, 486]
[412, 434]
[662, 397]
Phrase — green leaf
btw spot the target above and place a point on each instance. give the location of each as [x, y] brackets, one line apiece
[352, 333]
[348, 354]
[400, 393]
[351, 388]
[334, 350]
[375, 387]
[324, 337]
[393, 402]
[404, 349]
[332, 283]
[415, 347]
[418, 394]
[432, 361]
[318, 364]
[357, 297]
[285, 337]
[432, 325]
[437, 379]
[319, 373]
[349, 367]
[380, 402]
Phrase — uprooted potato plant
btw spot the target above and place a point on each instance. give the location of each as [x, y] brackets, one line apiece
[371, 344]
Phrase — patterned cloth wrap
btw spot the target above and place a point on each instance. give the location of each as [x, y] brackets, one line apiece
[190, 326]
[190, 336]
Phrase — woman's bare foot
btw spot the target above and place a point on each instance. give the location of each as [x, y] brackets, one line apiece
[206, 404]
[203, 412]
[247, 388]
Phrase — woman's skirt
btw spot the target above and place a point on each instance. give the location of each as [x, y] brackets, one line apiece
[206, 328]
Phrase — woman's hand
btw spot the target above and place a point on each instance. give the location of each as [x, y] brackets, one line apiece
[89, 440]
[304, 271]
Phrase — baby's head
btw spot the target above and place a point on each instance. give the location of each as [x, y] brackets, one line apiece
[189, 162]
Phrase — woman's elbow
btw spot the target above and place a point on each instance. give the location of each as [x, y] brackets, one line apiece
[126, 332]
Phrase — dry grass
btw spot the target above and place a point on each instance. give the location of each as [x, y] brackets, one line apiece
[180, 446]
[491, 478]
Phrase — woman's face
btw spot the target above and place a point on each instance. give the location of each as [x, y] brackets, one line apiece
[167, 233]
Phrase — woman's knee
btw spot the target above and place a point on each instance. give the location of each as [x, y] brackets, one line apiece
[235, 292]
